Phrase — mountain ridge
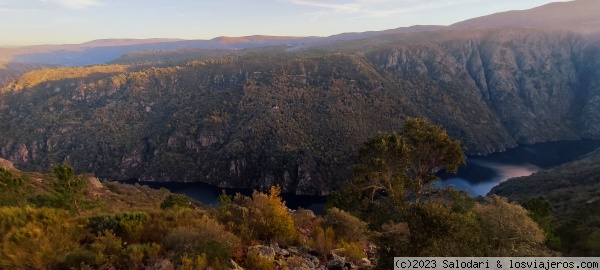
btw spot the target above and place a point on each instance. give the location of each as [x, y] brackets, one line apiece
[265, 117]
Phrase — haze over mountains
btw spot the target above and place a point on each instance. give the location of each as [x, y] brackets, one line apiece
[579, 16]
[257, 111]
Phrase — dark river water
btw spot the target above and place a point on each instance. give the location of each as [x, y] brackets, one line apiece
[477, 177]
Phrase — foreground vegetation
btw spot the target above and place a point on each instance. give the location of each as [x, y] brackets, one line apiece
[388, 208]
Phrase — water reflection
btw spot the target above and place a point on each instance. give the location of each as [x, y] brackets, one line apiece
[481, 174]
[496, 173]
[478, 177]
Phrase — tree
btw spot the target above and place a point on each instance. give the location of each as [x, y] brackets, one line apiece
[430, 149]
[395, 169]
[540, 210]
[67, 191]
[12, 189]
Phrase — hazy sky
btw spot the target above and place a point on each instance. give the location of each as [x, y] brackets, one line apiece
[27, 22]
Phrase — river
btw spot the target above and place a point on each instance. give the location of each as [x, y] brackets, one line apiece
[477, 177]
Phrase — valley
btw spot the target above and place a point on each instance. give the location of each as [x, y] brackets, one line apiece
[294, 118]
[271, 145]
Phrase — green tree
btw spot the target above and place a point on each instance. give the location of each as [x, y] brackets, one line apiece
[395, 169]
[540, 210]
[12, 189]
[67, 191]
[430, 149]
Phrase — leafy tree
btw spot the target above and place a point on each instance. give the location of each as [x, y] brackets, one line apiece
[67, 191]
[430, 149]
[395, 169]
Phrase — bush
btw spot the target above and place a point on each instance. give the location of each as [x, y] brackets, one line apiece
[136, 254]
[37, 238]
[306, 222]
[509, 229]
[176, 200]
[108, 248]
[126, 225]
[353, 252]
[347, 227]
[324, 240]
[159, 224]
[79, 258]
[256, 261]
[208, 238]
[200, 263]
[264, 217]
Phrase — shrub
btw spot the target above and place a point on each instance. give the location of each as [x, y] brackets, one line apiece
[137, 253]
[509, 229]
[176, 200]
[306, 222]
[208, 237]
[107, 247]
[161, 223]
[37, 238]
[256, 261]
[126, 225]
[324, 240]
[262, 216]
[353, 252]
[200, 263]
[79, 258]
[347, 227]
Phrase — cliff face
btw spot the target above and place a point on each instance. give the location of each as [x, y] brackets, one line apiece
[296, 119]
[513, 86]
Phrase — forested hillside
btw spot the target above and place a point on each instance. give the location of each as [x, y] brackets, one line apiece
[295, 116]
[11, 71]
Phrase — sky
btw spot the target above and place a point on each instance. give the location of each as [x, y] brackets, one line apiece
[37, 22]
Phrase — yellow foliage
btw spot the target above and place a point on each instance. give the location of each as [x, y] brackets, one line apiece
[37, 238]
[353, 251]
[37, 77]
[324, 240]
[509, 229]
[263, 216]
[256, 261]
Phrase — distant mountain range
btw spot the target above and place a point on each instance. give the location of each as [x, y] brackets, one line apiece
[580, 16]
